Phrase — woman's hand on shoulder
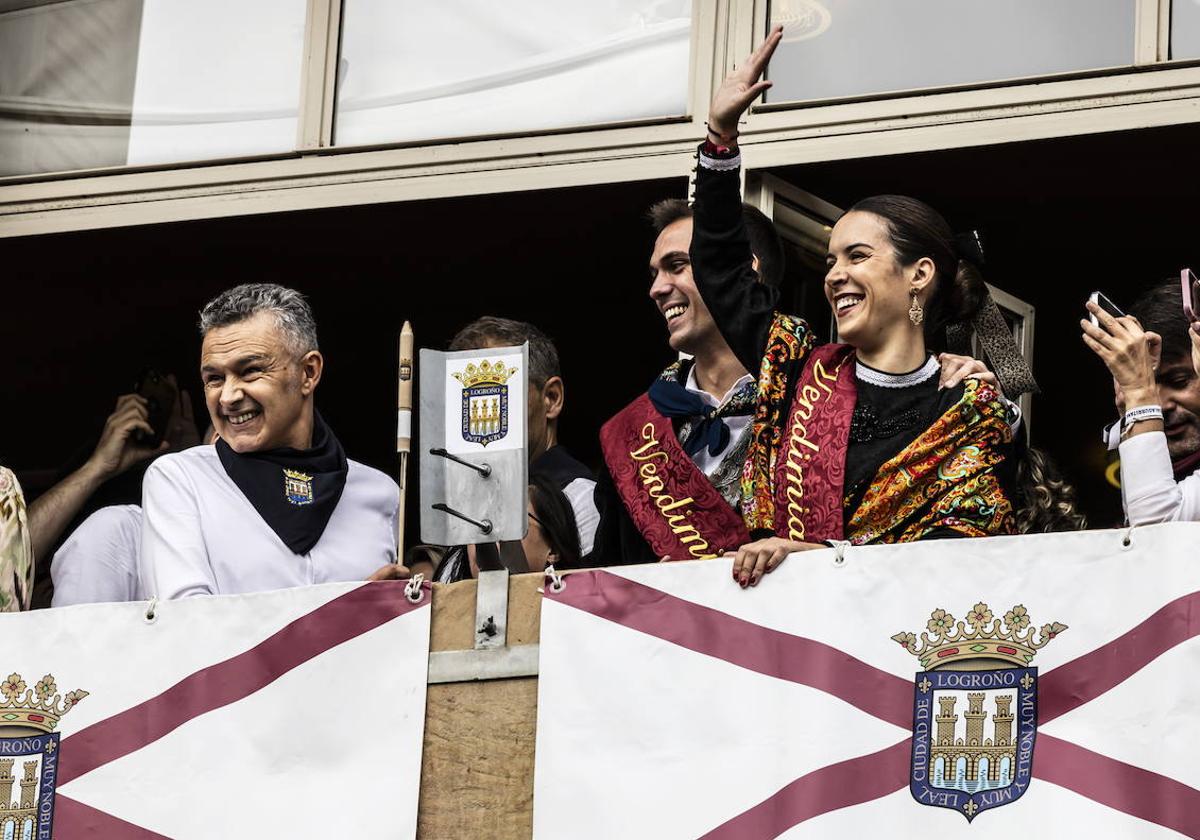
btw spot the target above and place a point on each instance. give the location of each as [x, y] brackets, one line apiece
[753, 560]
[956, 368]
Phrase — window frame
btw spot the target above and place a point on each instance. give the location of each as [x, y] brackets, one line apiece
[1155, 92]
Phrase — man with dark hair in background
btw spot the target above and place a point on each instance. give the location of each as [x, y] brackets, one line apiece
[673, 457]
[1155, 480]
[546, 400]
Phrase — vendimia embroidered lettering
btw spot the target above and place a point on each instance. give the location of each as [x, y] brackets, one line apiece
[805, 403]
[675, 511]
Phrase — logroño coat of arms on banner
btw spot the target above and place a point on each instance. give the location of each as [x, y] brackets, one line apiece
[485, 401]
[975, 708]
[29, 754]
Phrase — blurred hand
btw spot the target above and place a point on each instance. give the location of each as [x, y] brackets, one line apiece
[1130, 353]
[761, 557]
[181, 425]
[392, 571]
[117, 451]
[1194, 335]
[957, 368]
[741, 87]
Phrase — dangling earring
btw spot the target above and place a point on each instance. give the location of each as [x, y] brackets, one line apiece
[915, 313]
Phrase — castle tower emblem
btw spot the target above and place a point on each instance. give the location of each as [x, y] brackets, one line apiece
[485, 401]
[29, 754]
[975, 707]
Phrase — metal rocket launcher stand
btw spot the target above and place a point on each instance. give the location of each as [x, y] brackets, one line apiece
[474, 467]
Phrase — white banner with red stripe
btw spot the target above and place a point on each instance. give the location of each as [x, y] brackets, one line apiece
[297, 713]
[1050, 688]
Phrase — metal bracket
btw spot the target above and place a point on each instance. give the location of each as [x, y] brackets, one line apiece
[453, 666]
[491, 610]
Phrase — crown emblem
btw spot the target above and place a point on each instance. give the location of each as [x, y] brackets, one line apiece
[297, 487]
[485, 374]
[39, 707]
[979, 636]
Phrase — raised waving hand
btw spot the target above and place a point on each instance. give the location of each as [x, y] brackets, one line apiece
[740, 88]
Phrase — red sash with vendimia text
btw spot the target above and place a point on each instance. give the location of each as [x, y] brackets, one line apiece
[810, 467]
[676, 508]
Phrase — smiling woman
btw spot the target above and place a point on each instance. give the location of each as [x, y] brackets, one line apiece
[860, 440]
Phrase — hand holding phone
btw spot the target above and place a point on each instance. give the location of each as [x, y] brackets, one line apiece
[1190, 287]
[1102, 300]
[159, 393]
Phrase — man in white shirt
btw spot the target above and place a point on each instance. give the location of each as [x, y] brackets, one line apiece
[275, 503]
[1154, 357]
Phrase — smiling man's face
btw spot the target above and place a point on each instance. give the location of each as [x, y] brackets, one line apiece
[1179, 395]
[257, 388]
[689, 324]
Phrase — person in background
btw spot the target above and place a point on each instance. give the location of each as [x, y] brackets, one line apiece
[547, 398]
[98, 563]
[28, 533]
[552, 539]
[16, 546]
[1153, 355]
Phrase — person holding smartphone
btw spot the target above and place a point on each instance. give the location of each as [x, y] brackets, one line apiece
[1155, 364]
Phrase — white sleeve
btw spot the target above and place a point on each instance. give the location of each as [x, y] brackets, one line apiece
[174, 559]
[1148, 488]
[98, 562]
[581, 494]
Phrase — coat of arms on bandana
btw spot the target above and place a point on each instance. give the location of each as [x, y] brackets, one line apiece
[29, 754]
[297, 487]
[485, 401]
[975, 708]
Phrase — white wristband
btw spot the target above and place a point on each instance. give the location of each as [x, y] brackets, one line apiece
[1144, 412]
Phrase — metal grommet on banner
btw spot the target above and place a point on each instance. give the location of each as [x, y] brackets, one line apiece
[151, 613]
[1127, 539]
[554, 580]
[839, 551]
[412, 589]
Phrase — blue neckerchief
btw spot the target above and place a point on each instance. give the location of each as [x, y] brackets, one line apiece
[707, 424]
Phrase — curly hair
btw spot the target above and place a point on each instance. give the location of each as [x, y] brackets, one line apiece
[1046, 499]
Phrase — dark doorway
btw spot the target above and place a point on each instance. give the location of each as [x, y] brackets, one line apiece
[85, 312]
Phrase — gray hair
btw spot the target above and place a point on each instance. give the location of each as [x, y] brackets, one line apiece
[291, 311]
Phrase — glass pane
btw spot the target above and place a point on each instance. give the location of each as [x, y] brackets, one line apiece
[1185, 29]
[87, 83]
[837, 48]
[420, 70]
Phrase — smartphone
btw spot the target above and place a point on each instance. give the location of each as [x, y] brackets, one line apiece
[1101, 300]
[1190, 287]
[160, 396]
